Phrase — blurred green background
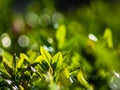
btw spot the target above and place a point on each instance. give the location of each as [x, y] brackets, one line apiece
[41, 16]
[66, 26]
[18, 19]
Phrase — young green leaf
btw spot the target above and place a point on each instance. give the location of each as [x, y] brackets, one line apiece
[21, 60]
[60, 36]
[108, 37]
[57, 58]
[21, 87]
[7, 65]
[82, 80]
[46, 55]
[32, 55]
[38, 59]
[23, 56]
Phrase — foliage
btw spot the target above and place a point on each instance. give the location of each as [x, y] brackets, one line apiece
[79, 48]
[52, 72]
[61, 71]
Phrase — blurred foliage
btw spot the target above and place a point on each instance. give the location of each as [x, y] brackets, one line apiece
[80, 47]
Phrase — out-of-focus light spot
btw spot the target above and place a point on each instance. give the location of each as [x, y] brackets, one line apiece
[33, 69]
[50, 40]
[56, 25]
[71, 80]
[23, 41]
[44, 20]
[18, 24]
[8, 81]
[32, 19]
[45, 47]
[57, 18]
[49, 49]
[6, 41]
[35, 46]
[48, 76]
[115, 82]
[92, 37]
[49, 10]
[15, 88]
[116, 74]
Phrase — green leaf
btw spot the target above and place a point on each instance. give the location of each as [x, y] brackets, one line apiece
[106, 59]
[5, 75]
[82, 80]
[23, 56]
[38, 59]
[8, 56]
[60, 36]
[57, 58]
[64, 77]
[108, 37]
[45, 66]
[53, 86]
[21, 60]
[1, 63]
[32, 55]
[7, 65]
[70, 43]
[21, 87]
[8, 68]
[46, 55]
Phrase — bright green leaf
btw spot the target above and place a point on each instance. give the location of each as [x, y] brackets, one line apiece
[21, 87]
[38, 59]
[8, 56]
[23, 56]
[60, 36]
[7, 66]
[21, 60]
[82, 80]
[3, 70]
[32, 55]
[108, 37]
[46, 55]
[57, 58]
